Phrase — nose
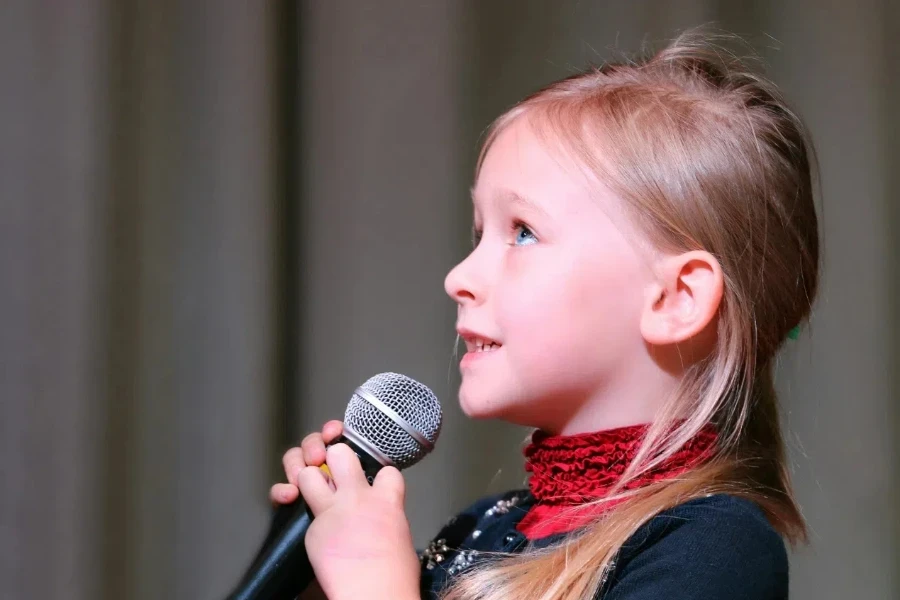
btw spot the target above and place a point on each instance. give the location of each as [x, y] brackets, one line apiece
[461, 285]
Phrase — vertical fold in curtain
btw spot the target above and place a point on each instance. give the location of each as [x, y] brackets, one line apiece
[140, 243]
[51, 197]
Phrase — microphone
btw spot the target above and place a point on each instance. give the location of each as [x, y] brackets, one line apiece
[391, 420]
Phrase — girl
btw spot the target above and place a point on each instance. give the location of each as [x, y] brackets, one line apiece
[645, 239]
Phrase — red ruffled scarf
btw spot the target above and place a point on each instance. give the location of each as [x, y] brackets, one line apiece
[567, 471]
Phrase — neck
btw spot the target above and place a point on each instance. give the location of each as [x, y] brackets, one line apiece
[646, 386]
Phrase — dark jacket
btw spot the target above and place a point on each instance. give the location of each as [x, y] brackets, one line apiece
[718, 547]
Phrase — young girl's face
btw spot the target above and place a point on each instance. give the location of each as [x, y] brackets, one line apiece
[550, 299]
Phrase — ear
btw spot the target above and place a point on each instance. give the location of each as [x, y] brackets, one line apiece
[684, 299]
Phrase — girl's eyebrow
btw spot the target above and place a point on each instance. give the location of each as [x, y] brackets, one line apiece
[517, 199]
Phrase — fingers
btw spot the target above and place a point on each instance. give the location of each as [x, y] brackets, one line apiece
[319, 490]
[313, 449]
[332, 430]
[293, 462]
[345, 467]
[283, 493]
[389, 483]
[311, 452]
[313, 445]
[315, 489]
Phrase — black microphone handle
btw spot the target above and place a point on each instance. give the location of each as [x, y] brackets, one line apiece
[281, 569]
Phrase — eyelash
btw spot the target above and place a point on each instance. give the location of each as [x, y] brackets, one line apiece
[514, 226]
[518, 225]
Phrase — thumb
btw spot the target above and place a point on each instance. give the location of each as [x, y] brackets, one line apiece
[389, 483]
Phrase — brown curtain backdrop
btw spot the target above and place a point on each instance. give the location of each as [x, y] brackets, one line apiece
[138, 234]
[217, 219]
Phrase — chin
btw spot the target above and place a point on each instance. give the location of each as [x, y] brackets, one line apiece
[470, 408]
[477, 406]
[481, 409]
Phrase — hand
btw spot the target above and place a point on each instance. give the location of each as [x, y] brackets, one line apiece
[359, 543]
[310, 453]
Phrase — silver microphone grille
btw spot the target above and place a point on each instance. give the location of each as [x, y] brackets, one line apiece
[395, 417]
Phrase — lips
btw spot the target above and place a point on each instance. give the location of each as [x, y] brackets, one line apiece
[478, 343]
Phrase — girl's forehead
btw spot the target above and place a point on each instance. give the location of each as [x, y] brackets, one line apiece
[507, 197]
[535, 177]
[519, 171]
[517, 151]
[539, 188]
[538, 167]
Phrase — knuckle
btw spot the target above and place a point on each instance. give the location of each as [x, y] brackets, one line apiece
[292, 461]
[292, 456]
[341, 453]
[311, 439]
[307, 474]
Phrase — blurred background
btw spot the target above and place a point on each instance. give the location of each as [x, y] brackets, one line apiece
[219, 218]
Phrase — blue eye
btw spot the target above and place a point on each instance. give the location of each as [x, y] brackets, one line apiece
[524, 236]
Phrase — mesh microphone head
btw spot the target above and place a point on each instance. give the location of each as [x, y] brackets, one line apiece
[395, 418]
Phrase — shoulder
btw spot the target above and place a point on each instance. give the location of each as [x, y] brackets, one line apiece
[716, 547]
[482, 529]
[487, 505]
[718, 517]
[511, 504]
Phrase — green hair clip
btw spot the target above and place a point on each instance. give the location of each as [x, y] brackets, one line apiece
[794, 333]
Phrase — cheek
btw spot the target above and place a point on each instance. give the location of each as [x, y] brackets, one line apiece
[580, 311]
[607, 295]
[527, 296]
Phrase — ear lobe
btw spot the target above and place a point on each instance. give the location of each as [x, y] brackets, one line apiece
[684, 299]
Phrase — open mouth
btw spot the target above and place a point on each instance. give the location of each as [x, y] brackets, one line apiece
[485, 346]
[478, 344]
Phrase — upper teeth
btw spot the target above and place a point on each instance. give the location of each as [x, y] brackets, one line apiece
[485, 345]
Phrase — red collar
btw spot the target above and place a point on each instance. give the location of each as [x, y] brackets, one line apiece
[569, 470]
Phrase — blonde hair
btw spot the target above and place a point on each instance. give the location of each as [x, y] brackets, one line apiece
[704, 154]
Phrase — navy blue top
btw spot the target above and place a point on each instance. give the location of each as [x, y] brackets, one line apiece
[718, 547]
